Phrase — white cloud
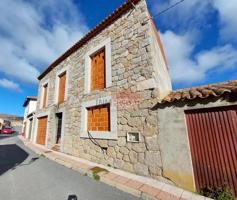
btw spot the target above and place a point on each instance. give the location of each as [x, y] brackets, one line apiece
[9, 85]
[194, 14]
[184, 28]
[227, 13]
[34, 33]
[187, 67]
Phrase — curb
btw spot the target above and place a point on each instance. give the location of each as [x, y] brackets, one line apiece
[141, 187]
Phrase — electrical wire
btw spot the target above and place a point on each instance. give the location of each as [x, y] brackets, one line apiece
[161, 12]
[167, 9]
[93, 140]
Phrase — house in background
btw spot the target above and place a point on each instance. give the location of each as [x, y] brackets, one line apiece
[108, 99]
[29, 117]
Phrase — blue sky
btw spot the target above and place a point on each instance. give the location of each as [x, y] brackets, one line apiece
[199, 38]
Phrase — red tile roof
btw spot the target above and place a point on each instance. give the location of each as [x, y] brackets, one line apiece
[202, 92]
[124, 8]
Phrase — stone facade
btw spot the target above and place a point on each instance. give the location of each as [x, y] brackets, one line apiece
[136, 61]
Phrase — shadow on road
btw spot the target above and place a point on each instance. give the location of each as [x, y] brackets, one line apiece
[5, 136]
[11, 156]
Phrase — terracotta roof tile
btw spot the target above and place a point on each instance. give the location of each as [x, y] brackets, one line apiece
[204, 91]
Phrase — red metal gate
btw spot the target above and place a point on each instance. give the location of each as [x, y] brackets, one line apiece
[213, 143]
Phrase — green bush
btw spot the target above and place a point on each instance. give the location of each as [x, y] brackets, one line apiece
[96, 176]
[221, 193]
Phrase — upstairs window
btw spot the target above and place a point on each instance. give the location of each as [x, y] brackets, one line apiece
[45, 94]
[99, 119]
[62, 87]
[98, 62]
[98, 70]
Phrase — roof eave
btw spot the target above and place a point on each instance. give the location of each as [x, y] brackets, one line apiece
[124, 8]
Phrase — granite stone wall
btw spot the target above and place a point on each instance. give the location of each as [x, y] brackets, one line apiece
[134, 91]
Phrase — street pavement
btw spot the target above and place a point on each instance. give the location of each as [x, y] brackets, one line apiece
[25, 175]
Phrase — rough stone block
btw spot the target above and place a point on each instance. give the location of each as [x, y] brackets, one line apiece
[153, 159]
[139, 147]
[141, 169]
[133, 156]
[124, 150]
[152, 143]
[111, 152]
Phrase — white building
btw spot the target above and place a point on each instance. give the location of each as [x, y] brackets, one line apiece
[29, 117]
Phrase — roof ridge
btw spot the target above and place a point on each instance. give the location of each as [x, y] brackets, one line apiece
[203, 91]
[206, 85]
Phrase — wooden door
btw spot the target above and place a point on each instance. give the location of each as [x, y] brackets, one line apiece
[213, 143]
[41, 132]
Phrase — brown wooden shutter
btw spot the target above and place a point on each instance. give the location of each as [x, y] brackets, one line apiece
[62, 87]
[41, 131]
[99, 118]
[45, 95]
[213, 143]
[98, 71]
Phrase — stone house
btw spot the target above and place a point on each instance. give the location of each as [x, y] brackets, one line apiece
[29, 117]
[108, 99]
[94, 101]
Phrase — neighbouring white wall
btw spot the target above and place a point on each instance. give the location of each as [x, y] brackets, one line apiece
[26, 112]
[32, 106]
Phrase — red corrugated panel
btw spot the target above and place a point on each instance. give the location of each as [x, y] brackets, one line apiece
[213, 143]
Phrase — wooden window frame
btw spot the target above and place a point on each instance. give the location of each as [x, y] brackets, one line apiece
[59, 91]
[92, 87]
[112, 134]
[106, 44]
[56, 92]
[42, 106]
[98, 124]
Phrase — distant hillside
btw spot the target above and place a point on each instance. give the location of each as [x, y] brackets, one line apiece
[9, 116]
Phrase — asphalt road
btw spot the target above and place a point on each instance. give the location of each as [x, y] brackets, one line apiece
[25, 175]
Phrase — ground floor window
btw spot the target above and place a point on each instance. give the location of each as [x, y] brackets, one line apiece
[98, 118]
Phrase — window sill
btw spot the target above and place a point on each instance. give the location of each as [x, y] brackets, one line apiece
[43, 109]
[109, 135]
[97, 90]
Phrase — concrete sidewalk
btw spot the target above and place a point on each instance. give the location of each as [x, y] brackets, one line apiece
[143, 187]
